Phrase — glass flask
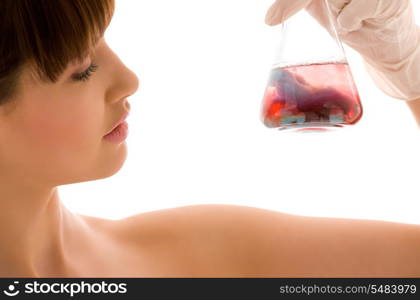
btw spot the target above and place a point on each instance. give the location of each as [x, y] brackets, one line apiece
[310, 86]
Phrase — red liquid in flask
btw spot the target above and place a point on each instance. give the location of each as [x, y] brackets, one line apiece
[311, 97]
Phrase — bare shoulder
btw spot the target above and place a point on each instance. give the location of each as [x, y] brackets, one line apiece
[233, 240]
[197, 240]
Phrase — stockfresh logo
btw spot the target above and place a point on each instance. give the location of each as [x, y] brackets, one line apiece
[71, 289]
[11, 290]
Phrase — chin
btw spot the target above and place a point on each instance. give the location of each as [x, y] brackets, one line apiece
[107, 165]
[114, 162]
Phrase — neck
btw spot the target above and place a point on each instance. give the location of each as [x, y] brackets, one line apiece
[35, 230]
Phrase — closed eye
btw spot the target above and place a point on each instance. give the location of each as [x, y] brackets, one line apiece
[85, 75]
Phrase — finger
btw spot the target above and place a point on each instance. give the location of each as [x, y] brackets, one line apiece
[281, 10]
[326, 12]
[354, 13]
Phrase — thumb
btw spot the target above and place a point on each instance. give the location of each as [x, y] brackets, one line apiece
[354, 13]
[281, 10]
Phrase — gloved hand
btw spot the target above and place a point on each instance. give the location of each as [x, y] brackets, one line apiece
[382, 31]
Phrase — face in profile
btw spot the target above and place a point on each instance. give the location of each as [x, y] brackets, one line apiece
[54, 134]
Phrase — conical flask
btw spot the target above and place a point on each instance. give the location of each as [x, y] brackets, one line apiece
[310, 86]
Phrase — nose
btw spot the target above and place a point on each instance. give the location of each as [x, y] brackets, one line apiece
[133, 81]
[124, 82]
[128, 82]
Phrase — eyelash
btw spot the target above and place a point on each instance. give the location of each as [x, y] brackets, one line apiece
[84, 76]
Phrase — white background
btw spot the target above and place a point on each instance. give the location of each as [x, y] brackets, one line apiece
[196, 137]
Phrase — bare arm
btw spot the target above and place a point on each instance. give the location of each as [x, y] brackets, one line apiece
[240, 241]
[415, 109]
[264, 243]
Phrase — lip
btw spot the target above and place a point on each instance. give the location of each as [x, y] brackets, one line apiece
[120, 121]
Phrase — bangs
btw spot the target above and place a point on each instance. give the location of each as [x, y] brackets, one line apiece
[49, 34]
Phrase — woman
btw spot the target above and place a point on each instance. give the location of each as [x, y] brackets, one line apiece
[62, 91]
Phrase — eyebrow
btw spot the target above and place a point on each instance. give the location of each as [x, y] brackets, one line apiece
[87, 55]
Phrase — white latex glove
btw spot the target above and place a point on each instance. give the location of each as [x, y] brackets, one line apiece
[382, 31]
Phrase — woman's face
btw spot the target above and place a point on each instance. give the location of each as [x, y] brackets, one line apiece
[54, 136]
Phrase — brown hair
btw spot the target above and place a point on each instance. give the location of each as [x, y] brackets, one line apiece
[47, 35]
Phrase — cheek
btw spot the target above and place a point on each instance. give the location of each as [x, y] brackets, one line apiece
[64, 134]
